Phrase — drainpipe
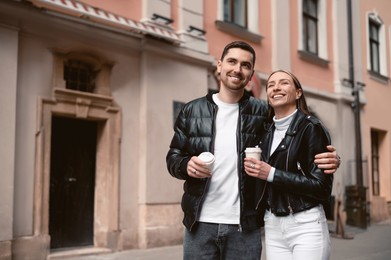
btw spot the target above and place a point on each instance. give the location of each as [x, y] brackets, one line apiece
[356, 103]
[356, 195]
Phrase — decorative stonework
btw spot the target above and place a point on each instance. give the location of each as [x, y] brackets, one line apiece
[98, 107]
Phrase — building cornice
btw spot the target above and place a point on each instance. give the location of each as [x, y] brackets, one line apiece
[84, 12]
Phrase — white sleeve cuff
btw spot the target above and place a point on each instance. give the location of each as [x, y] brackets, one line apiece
[270, 177]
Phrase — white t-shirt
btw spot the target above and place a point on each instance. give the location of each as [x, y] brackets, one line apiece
[221, 202]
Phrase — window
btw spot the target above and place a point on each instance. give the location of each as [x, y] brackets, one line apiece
[313, 39]
[235, 11]
[310, 26]
[374, 45]
[375, 163]
[79, 75]
[239, 18]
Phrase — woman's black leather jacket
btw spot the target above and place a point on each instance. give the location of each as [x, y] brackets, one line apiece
[298, 183]
[195, 133]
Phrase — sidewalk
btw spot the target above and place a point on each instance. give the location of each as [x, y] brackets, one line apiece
[373, 243]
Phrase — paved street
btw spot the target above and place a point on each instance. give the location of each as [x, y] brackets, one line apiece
[373, 243]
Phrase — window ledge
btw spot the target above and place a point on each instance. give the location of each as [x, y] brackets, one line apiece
[238, 31]
[378, 77]
[310, 57]
[74, 96]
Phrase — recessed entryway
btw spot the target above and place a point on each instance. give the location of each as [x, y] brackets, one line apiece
[72, 182]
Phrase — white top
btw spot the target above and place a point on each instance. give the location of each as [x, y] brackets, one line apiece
[282, 126]
[221, 202]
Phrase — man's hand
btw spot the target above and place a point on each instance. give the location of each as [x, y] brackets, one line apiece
[329, 161]
[197, 168]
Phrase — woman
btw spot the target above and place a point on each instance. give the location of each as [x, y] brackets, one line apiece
[295, 221]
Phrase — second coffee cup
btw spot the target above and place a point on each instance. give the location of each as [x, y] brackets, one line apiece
[253, 152]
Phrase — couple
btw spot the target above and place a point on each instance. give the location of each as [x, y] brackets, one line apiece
[224, 208]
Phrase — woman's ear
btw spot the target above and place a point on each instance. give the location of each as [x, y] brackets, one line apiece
[298, 93]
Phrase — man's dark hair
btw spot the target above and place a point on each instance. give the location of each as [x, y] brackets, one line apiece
[238, 44]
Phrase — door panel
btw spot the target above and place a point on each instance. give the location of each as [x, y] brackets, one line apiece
[72, 182]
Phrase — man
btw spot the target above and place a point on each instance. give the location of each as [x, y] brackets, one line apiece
[221, 208]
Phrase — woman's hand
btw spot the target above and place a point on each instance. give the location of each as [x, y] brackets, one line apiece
[256, 168]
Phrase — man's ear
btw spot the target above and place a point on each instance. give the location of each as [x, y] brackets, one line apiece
[218, 67]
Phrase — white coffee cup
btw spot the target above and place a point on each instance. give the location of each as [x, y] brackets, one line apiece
[208, 158]
[253, 152]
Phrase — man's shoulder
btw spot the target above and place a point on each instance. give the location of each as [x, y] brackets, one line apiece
[197, 101]
[198, 106]
[258, 105]
[257, 101]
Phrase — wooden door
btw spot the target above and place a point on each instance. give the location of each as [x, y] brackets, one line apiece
[72, 182]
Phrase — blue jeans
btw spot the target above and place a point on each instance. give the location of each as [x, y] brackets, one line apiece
[221, 241]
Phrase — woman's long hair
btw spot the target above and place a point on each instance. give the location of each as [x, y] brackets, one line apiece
[301, 104]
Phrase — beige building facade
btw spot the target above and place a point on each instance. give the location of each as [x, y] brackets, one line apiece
[90, 91]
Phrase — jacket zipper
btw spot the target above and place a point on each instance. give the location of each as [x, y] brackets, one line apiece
[238, 145]
[263, 193]
[264, 189]
[199, 205]
[299, 168]
[208, 179]
[286, 169]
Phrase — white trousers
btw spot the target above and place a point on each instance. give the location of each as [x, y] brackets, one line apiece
[304, 235]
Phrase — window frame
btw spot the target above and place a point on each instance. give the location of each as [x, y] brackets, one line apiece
[251, 33]
[374, 45]
[308, 18]
[80, 75]
[375, 156]
[233, 11]
[321, 58]
[382, 73]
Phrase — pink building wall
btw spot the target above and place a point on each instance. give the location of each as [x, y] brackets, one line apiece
[308, 73]
[377, 97]
[127, 8]
[217, 39]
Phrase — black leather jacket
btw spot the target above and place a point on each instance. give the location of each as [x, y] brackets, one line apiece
[298, 183]
[195, 133]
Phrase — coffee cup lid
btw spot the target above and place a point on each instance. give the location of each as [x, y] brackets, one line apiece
[253, 149]
[206, 157]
